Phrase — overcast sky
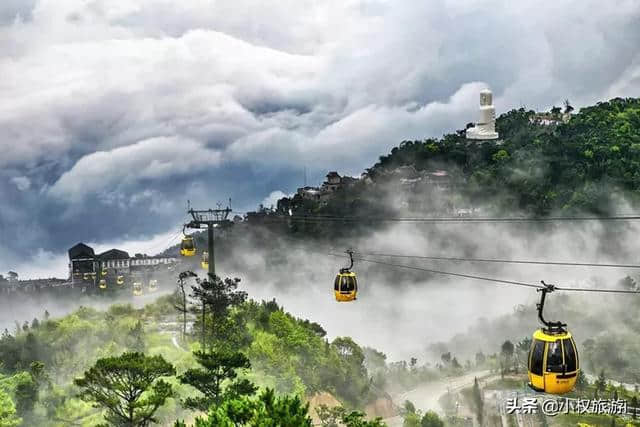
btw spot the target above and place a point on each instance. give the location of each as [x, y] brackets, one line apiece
[113, 113]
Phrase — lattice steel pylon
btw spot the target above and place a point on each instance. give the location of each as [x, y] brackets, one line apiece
[210, 219]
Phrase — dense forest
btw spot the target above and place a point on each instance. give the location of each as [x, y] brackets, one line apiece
[212, 358]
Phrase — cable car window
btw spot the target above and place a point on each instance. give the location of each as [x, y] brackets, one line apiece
[336, 284]
[570, 355]
[554, 357]
[537, 357]
[348, 284]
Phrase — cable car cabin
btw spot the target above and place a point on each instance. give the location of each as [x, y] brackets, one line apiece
[120, 280]
[188, 246]
[553, 357]
[153, 285]
[102, 284]
[104, 272]
[204, 262]
[137, 289]
[553, 362]
[345, 286]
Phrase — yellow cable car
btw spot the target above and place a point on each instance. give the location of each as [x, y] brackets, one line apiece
[345, 287]
[153, 285]
[120, 280]
[553, 358]
[104, 272]
[137, 289]
[102, 284]
[188, 246]
[204, 262]
[86, 276]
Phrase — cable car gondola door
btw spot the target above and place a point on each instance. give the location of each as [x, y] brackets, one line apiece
[536, 364]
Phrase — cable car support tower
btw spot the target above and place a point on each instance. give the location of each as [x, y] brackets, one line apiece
[210, 219]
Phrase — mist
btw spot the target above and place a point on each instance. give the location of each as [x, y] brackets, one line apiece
[406, 313]
[403, 312]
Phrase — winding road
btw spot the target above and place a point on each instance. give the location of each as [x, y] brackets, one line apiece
[425, 397]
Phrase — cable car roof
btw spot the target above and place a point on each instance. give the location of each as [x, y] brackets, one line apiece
[544, 336]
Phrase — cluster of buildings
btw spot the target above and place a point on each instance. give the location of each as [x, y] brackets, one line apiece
[11, 284]
[85, 265]
[322, 194]
[550, 118]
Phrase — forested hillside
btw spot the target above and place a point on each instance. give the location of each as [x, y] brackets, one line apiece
[242, 347]
[538, 166]
[543, 164]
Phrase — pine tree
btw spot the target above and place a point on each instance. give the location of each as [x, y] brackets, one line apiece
[477, 400]
[129, 387]
[217, 369]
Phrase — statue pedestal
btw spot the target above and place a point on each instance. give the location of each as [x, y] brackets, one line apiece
[481, 132]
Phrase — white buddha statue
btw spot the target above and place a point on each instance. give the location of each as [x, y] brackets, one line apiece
[486, 127]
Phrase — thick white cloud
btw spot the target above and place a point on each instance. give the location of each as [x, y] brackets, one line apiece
[122, 168]
[92, 93]
[299, 74]
[272, 199]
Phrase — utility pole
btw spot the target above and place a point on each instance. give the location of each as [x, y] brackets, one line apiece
[210, 219]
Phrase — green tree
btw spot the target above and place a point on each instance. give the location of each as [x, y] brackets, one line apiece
[217, 377]
[180, 303]
[411, 419]
[215, 297]
[431, 419]
[521, 352]
[135, 338]
[507, 349]
[446, 357]
[634, 405]
[478, 403]
[8, 416]
[567, 107]
[25, 393]
[581, 382]
[357, 419]
[129, 387]
[268, 410]
[601, 382]
[409, 407]
[330, 416]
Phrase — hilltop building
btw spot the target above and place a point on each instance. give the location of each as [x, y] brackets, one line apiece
[333, 183]
[550, 118]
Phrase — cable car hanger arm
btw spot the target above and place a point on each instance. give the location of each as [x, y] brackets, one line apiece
[557, 326]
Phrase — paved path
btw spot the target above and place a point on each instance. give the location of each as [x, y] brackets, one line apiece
[425, 397]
